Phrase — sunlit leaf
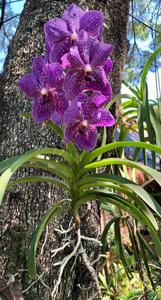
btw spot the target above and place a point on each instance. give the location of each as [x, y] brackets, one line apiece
[48, 179]
[95, 180]
[5, 177]
[107, 197]
[118, 161]
[113, 146]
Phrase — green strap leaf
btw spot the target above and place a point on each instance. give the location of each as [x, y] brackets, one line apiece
[53, 166]
[126, 183]
[83, 154]
[118, 161]
[150, 129]
[141, 129]
[26, 115]
[73, 151]
[133, 90]
[5, 177]
[120, 248]
[55, 128]
[52, 213]
[133, 103]
[132, 112]
[104, 246]
[143, 145]
[135, 249]
[131, 209]
[148, 250]
[106, 197]
[139, 198]
[105, 233]
[48, 179]
[146, 68]
[156, 122]
[4, 164]
[143, 255]
[47, 168]
[115, 99]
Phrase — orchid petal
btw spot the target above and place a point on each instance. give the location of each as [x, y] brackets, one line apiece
[100, 83]
[56, 30]
[99, 99]
[72, 114]
[106, 90]
[74, 83]
[48, 47]
[92, 22]
[86, 138]
[37, 69]
[84, 45]
[58, 50]
[65, 61]
[29, 85]
[108, 66]
[60, 102]
[75, 58]
[100, 53]
[103, 118]
[53, 74]
[100, 76]
[57, 118]
[41, 112]
[72, 16]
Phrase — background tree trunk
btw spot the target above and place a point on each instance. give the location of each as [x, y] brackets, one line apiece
[24, 207]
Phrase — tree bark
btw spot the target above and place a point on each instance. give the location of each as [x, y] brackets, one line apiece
[24, 207]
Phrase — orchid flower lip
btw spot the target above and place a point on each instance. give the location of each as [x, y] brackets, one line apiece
[74, 36]
[44, 92]
[88, 69]
[99, 116]
[84, 123]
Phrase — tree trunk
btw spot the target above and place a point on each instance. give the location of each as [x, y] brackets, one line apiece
[24, 207]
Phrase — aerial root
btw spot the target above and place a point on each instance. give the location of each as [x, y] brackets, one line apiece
[91, 270]
[64, 263]
[55, 251]
[78, 250]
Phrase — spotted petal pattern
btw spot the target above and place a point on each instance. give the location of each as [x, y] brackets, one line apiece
[44, 87]
[87, 63]
[69, 84]
[82, 119]
[63, 33]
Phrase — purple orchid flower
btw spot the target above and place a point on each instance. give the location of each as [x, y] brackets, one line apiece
[87, 65]
[83, 117]
[63, 33]
[44, 86]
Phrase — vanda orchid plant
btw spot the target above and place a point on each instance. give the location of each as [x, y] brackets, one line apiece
[70, 92]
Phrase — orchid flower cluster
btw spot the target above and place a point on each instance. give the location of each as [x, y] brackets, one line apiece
[69, 85]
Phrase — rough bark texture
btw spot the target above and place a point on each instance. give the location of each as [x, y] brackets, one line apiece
[24, 207]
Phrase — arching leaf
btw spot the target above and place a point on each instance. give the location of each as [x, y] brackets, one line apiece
[5, 177]
[52, 213]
